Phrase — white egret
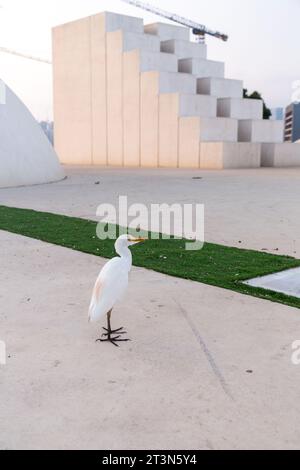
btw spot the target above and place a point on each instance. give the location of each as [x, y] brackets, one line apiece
[110, 287]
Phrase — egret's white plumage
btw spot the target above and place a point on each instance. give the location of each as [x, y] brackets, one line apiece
[112, 281]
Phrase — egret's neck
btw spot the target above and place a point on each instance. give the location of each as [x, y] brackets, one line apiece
[125, 254]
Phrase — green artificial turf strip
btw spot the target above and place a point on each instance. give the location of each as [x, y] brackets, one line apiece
[215, 265]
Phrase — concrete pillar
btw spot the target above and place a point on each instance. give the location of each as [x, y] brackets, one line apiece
[115, 98]
[189, 144]
[131, 108]
[72, 77]
[168, 130]
[98, 90]
[149, 119]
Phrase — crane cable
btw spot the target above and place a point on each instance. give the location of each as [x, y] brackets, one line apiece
[24, 56]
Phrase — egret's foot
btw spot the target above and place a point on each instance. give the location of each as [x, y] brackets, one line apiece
[114, 340]
[112, 332]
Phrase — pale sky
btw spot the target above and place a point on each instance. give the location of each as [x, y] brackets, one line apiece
[263, 46]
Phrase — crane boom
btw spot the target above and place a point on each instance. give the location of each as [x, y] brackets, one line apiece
[198, 29]
[25, 56]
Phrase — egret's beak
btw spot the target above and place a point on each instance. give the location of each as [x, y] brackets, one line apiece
[139, 240]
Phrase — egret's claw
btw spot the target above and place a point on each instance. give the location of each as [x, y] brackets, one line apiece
[114, 340]
[112, 332]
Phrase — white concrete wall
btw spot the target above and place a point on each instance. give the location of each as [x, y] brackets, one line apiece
[261, 131]
[114, 22]
[198, 105]
[226, 155]
[184, 49]
[240, 108]
[161, 62]
[168, 31]
[280, 155]
[220, 87]
[218, 130]
[202, 68]
[145, 42]
[177, 82]
[26, 155]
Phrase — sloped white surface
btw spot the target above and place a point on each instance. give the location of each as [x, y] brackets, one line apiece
[286, 282]
[26, 155]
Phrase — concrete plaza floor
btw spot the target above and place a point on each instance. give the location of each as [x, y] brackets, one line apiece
[207, 369]
[259, 208]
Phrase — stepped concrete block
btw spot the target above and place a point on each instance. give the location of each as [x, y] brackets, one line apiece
[240, 108]
[129, 105]
[280, 155]
[144, 42]
[218, 130]
[220, 87]
[198, 105]
[202, 68]
[114, 22]
[226, 155]
[261, 131]
[177, 82]
[157, 61]
[168, 31]
[189, 145]
[184, 49]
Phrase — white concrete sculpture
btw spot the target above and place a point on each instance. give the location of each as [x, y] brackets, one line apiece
[126, 94]
[26, 155]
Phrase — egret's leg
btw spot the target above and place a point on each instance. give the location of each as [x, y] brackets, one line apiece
[110, 332]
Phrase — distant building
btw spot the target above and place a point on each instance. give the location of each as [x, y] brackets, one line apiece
[277, 114]
[292, 123]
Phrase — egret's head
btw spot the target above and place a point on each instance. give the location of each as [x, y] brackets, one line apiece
[124, 241]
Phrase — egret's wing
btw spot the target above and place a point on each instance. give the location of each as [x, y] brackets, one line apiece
[109, 288]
